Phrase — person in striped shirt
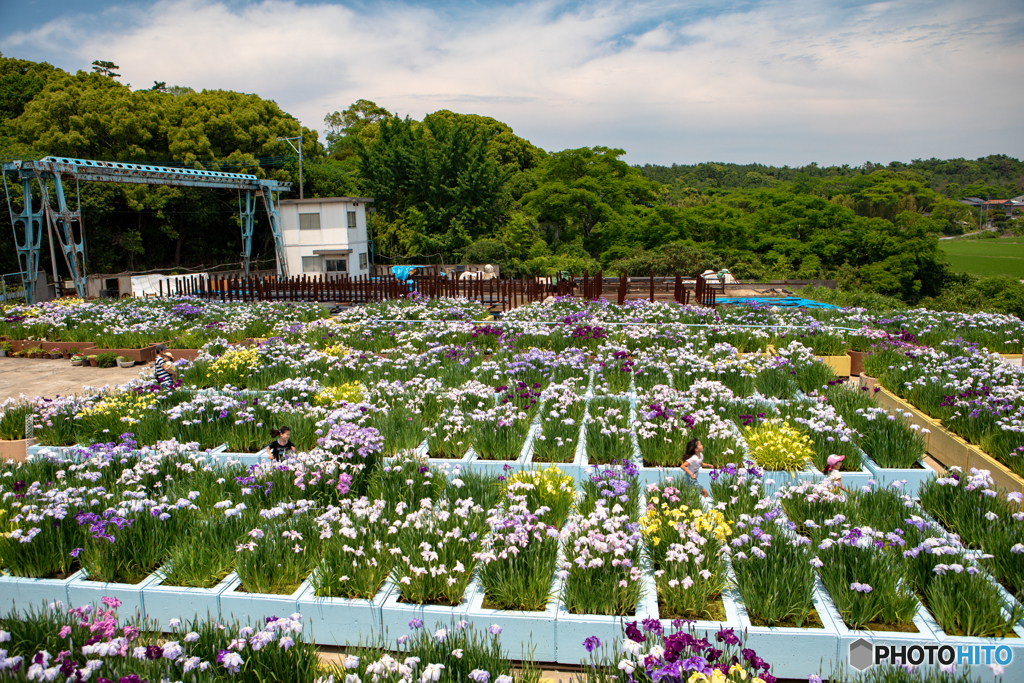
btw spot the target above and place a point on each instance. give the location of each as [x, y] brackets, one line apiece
[164, 363]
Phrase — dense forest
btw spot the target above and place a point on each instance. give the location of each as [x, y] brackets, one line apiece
[461, 187]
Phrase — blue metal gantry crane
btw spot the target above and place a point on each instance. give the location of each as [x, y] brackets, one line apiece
[67, 223]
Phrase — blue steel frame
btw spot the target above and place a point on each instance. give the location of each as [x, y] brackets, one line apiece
[68, 224]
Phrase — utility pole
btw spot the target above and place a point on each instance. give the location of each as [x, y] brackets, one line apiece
[299, 150]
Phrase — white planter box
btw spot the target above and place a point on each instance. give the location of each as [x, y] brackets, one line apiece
[60, 451]
[395, 615]
[497, 467]
[914, 477]
[224, 457]
[572, 629]
[341, 622]
[254, 608]
[519, 630]
[847, 636]
[573, 469]
[441, 462]
[655, 475]
[703, 628]
[1010, 600]
[850, 480]
[164, 603]
[23, 594]
[805, 651]
[977, 647]
[82, 591]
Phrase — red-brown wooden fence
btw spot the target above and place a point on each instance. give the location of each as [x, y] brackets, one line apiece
[503, 293]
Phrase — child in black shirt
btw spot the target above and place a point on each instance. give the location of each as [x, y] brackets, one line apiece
[281, 444]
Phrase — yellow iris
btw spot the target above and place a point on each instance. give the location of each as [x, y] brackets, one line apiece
[352, 392]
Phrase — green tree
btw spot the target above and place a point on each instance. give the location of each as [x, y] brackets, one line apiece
[344, 126]
[580, 188]
[442, 171]
[106, 69]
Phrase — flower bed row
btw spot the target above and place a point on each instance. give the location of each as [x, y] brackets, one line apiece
[665, 558]
[948, 448]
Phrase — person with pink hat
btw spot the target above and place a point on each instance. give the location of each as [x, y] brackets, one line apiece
[832, 469]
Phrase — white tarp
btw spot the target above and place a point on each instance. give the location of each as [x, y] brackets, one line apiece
[143, 285]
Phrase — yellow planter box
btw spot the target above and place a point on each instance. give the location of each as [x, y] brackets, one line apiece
[839, 364]
[950, 449]
[1001, 474]
[894, 402]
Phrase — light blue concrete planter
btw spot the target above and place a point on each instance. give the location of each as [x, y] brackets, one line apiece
[1010, 600]
[805, 651]
[1014, 671]
[850, 480]
[395, 615]
[572, 629]
[498, 467]
[82, 591]
[24, 594]
[924, 636]
[703, 628]
[60, 451]
[451, 462]
[773, 480]
[914, 478]
[341, 622]
[573, 469]
[245, 459]
[520, 631]
[254, 608]
[164, 603]
[655, 475]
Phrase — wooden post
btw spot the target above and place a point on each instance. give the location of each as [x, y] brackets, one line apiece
[652, 285]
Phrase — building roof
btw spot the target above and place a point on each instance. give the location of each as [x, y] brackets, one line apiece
[328, 200]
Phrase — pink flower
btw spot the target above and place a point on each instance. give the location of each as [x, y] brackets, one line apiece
[112, 603]
[65, 632]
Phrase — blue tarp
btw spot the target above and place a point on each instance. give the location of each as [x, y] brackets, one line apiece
[402, 272]
[782, 302]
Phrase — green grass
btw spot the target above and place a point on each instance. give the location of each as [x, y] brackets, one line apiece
[985, 258]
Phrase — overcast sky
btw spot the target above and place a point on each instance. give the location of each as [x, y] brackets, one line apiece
[786, 82]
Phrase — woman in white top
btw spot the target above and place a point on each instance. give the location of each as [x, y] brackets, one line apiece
[693, 459]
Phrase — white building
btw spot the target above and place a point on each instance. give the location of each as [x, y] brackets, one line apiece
[326, 236]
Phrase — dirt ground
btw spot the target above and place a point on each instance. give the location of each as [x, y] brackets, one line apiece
[49, 378]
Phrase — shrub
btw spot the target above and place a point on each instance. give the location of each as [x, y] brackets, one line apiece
[106, 360]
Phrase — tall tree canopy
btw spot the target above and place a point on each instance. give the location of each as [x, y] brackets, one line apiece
[458, 186]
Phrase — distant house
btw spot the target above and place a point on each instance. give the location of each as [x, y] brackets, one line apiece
[326, 236]
[1017, 203]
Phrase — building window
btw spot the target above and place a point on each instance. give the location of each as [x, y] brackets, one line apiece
[362, 262]
[337, 265]
[351, 220]
[309, 221]
[312, 264]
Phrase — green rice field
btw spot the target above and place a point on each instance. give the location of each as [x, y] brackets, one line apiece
[985, 258]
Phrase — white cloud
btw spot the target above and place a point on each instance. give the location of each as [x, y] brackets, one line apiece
[778, 82]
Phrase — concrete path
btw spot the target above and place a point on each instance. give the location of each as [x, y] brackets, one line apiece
[49, 378]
